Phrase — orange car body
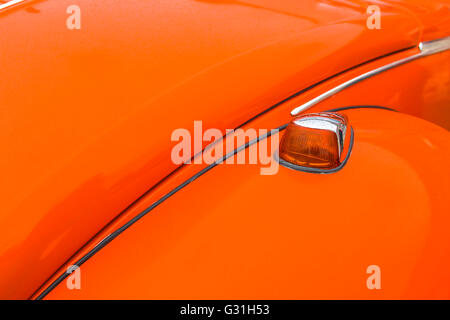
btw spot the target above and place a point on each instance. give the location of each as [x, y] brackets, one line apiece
[86, 121]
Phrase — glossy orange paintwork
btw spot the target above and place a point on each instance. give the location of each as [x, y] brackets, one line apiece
[433, 16]
[86, 115]
[359, 93]
[236, 234]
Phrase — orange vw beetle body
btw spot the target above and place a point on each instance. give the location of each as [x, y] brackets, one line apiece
[87, 116]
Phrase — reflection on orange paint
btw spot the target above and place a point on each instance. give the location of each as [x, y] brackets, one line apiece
[236, 234]
[86, 115]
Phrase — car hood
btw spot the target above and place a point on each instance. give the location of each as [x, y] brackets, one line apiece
[87, 114]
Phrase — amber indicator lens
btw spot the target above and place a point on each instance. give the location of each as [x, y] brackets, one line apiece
[315, 140]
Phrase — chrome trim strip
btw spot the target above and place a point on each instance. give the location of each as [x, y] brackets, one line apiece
[426, 49]
[10, 4]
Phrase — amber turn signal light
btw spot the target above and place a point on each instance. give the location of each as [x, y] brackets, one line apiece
[315, 140]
